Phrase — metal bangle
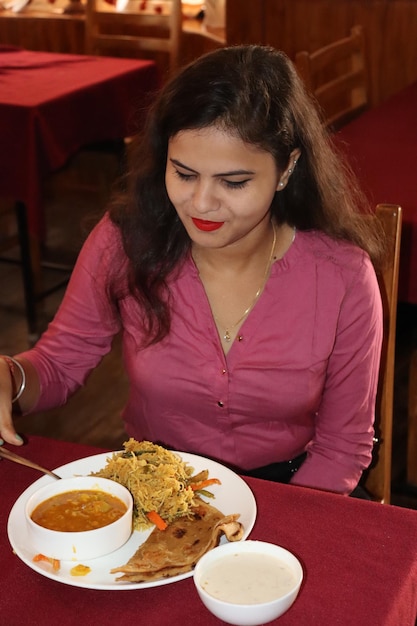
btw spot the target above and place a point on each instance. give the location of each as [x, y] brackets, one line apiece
[12, 363]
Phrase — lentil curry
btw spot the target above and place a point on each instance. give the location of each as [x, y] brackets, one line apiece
[79, 510]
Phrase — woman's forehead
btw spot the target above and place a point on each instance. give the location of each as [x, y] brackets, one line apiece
[218, 153]
[224, 141]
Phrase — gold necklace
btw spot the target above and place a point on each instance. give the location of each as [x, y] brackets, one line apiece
[227, 336]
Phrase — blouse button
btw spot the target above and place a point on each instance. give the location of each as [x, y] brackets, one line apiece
[224, 372]
[220, 404]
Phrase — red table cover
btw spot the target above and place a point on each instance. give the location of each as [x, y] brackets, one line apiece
[51, 104]
[382, 148]
[359, 560]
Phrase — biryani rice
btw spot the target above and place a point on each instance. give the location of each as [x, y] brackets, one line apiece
[157, 478]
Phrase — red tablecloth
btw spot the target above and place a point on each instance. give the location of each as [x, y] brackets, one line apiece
[52, 104]
[359, 559]
[382, 148]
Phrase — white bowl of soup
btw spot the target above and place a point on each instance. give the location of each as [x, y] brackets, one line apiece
[249, 582]
[79, 518]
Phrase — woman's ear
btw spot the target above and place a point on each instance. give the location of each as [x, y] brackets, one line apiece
[292, 162]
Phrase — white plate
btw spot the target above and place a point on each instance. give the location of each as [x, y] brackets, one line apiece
[232, 496]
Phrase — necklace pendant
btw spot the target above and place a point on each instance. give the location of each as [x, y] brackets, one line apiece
[226, 336]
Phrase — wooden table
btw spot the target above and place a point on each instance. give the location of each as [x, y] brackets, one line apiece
[359, 560]
[50, 106]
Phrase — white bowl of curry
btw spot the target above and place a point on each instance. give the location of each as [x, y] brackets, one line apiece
[79, 518]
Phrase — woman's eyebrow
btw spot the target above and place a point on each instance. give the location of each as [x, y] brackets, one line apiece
[231, 173]
[185, 167]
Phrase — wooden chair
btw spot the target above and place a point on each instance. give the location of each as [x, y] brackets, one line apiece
[337, 76]
[412, 422]
[135, 29]
[377, 479]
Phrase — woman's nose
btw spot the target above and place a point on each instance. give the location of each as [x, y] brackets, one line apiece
[205, 198]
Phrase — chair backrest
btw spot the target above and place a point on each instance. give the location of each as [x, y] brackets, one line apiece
[377, 479]
[135, 29]
[337, 76]
[412, 421]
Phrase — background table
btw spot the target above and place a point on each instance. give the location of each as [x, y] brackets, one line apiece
[381, 146]
[51, 105]
[359, 560]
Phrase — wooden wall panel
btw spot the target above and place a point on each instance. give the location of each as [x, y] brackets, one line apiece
[49, 33]
[392, 35]
[245, 21]
[197, 40]
[291, 25]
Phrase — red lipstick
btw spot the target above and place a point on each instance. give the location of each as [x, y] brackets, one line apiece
[206, 225]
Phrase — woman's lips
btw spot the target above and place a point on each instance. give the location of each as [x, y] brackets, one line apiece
[206, 225]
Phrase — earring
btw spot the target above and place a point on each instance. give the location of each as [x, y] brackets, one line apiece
[281, 184]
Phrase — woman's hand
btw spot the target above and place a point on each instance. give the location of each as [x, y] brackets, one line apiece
[7, 430]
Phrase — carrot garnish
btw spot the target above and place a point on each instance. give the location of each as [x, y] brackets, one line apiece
[156, 519]
[205, 483]
[54, 562]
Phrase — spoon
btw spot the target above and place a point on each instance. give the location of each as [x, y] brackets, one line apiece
[11, 456]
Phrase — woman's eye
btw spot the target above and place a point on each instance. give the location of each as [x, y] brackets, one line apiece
[185, 177]
[238, 184]
[230, 184]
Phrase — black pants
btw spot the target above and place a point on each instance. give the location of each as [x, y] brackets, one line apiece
[278, 472]
[282, 473]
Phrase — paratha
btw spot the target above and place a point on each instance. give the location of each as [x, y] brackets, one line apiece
[177, 549]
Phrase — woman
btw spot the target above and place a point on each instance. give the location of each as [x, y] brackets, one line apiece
[237, 267]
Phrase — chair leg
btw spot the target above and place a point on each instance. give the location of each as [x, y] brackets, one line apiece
[412, 422]
[27, 270]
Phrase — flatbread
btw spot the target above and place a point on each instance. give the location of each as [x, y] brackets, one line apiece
[177, 549]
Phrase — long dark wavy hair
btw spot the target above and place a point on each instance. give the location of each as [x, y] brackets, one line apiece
[255, 92]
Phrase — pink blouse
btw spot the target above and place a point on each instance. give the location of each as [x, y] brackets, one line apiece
[302, 375]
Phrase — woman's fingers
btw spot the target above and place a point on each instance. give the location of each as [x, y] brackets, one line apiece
[7, 430]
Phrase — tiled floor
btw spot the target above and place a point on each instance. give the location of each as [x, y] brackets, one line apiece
[93, 414]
